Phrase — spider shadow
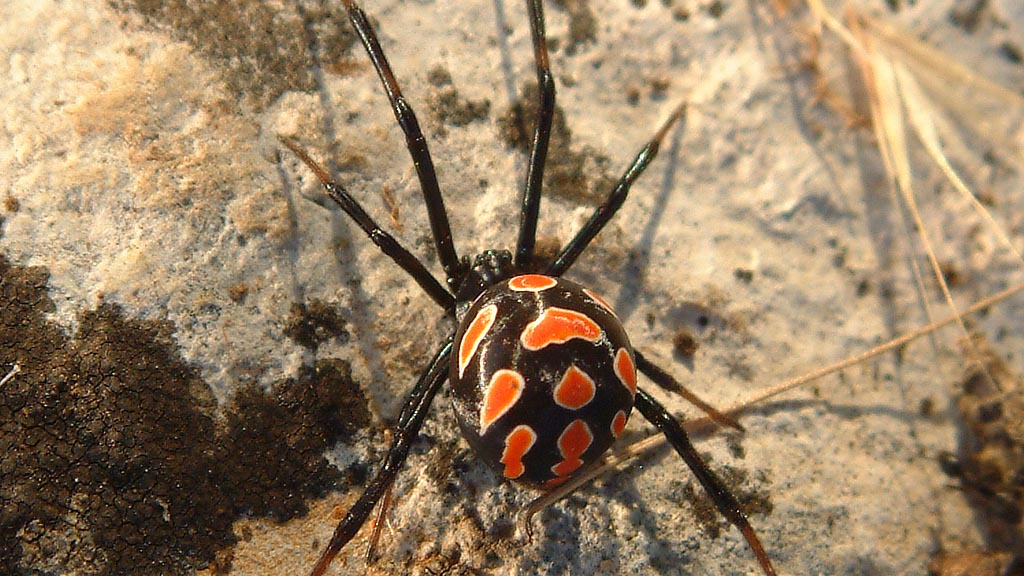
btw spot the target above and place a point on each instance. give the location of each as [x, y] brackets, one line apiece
[346, 242]
[501, 33]
[631, 279]
[569, 529]
[847, 412]
[563, 525]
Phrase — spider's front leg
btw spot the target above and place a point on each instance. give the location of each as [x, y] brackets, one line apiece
[530, 211]
[454, 268]
[385, 241]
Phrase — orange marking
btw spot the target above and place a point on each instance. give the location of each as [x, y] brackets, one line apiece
[502, 393]
[573, 442]
[619, 423]
[517, 444]
[575, 390]
[593, 296]
[625, 370]
[474, 335]
[558, 326]
[531, 283]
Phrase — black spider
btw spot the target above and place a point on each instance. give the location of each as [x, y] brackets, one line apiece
[543, 374]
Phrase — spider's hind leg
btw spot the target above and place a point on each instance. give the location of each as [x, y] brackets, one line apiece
[726, 503]
[406, 430]
[666, 381]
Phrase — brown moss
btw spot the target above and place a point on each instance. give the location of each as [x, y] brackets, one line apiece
[262, 48]
[116, 458]
[580, 176]
[311, 324]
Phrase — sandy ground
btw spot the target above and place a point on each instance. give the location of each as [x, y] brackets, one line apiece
[140, 166]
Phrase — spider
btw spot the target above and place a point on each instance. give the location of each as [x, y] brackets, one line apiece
[543, 376]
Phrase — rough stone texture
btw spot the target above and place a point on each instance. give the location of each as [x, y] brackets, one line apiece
[162, 255]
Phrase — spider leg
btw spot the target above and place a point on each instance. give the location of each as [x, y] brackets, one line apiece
[726, 503]
[541, 135]
[454, 269]
[382, 511]
[386, 242]
[406, 429]
[614, 201]
[665, 380]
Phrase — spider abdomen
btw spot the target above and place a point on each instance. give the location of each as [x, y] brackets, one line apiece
[543, 378]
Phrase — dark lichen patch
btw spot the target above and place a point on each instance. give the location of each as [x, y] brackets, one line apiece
[309, 325]
[969, 15]
[684, 343]
[744, 275]
[306, 415]
[443, 458]
[566, 172]
[438, 76]
[238, 292]
[991, 455]
[582, 23]
[116, 459]
[262, 48]
[448, 107]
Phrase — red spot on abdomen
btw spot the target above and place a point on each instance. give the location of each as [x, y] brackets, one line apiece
[531, 283]
[625, 370]
[558, 326]
[474, 335]
[501, 395]
[575, 390]
[619, 423]
[573, 442]
[517, 444]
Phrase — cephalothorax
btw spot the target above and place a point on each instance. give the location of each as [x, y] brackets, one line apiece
[543, 374]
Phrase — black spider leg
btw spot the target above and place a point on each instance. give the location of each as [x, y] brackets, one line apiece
[726, 503]
[614, 201]
[665, 380]
[407, 428]
[386, 242]
[541, 135]
[454, 269]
